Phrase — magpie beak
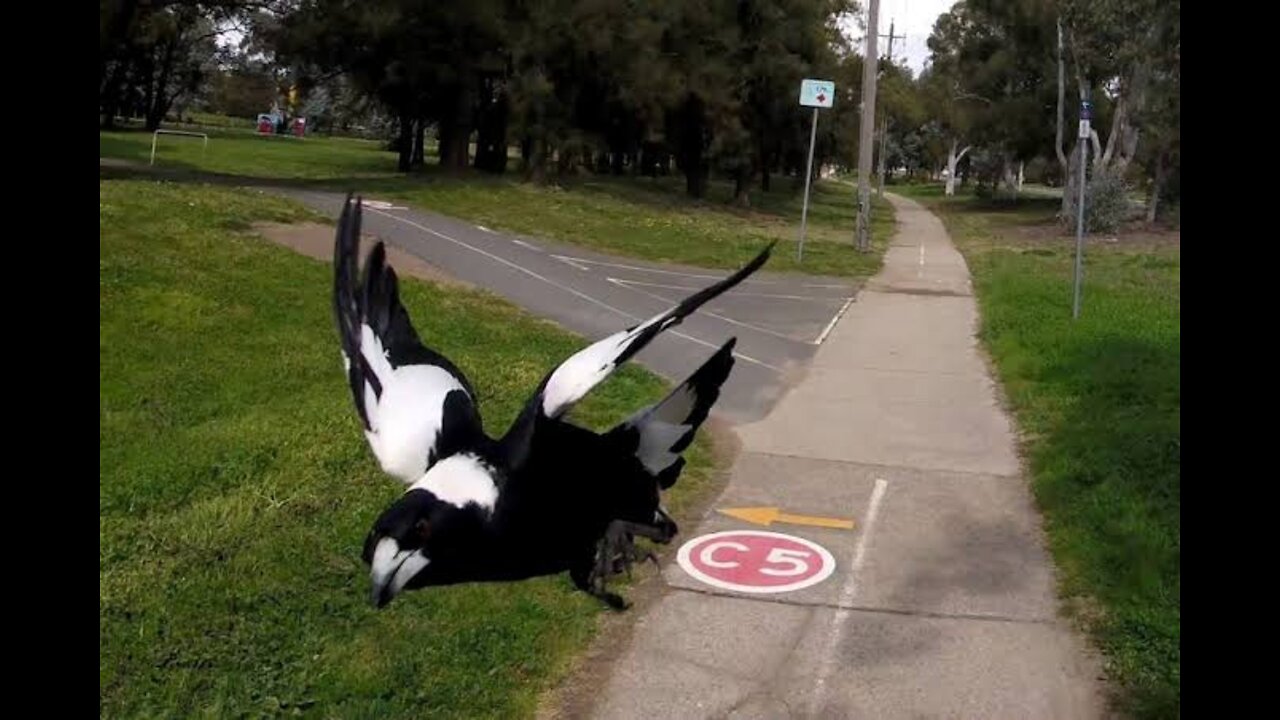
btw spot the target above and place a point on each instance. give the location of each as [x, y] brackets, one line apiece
[391, 569]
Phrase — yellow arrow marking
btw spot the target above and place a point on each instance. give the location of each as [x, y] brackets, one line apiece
[768, 515]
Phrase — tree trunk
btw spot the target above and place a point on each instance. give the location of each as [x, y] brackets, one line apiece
[419, 156]
[455, 146]
[695, 181]
[1157, 184]
[692, 146]
[491, 140]
[444, 132]
[566, 160]
[953, 160]
[111, 93]
[116, 60]
[648, 160]
[128, 105]
[538, 146]
[455, 130]
[160, 98]
[1122, 142]
[404, 146]
[764, 162]
[695, 178]
[146, 79]
[118, 44]
[537, 165]
[1058, 133]
[742, 186]
[1010, 179]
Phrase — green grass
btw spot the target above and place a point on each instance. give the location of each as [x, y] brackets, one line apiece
[640, 217]
[207, 119]
[1099, 401]
[193, 120]
[247, 154]
[235, 487]
[652, 219]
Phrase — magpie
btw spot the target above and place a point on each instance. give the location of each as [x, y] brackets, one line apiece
[548, 496]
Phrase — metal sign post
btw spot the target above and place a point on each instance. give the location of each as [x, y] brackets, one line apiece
[1086, 114]
[815, 94]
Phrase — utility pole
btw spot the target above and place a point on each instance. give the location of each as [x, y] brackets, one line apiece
[884, 117]
[866, 129]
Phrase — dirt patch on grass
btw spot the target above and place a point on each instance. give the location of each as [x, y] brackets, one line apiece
[315, 240]
[1134, 236]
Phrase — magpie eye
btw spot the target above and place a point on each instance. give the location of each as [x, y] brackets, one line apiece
[423, 529]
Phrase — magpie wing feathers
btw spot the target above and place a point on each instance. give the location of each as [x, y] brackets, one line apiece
[576, 376]
[569, 382]
[415, 405]
[658, 434]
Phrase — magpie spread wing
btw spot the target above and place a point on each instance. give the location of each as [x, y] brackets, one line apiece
[415, 405]
[569, 382]
[658, 434]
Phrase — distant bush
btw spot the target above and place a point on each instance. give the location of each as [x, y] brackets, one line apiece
[1106, 206]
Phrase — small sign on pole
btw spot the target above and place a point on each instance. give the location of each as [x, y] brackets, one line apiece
[815, 94]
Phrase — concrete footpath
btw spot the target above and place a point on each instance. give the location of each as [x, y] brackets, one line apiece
[938, 601]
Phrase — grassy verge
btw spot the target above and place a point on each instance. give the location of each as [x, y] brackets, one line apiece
[247, 154]
[646, 218]
[235, 487]
[1099, 401]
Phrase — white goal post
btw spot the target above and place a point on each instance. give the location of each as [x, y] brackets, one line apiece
[156, 135]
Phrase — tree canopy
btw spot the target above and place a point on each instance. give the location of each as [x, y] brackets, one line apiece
[698, 87]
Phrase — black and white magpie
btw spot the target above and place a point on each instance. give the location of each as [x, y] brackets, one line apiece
[547, 497]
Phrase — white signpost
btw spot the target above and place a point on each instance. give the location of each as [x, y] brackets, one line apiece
[1086, 114]
[815, 94]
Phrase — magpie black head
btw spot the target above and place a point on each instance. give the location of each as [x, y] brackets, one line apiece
[419, 540]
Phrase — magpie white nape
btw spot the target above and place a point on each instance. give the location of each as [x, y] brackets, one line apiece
[548, 496]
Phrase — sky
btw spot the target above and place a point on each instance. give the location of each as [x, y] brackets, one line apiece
[914, 19]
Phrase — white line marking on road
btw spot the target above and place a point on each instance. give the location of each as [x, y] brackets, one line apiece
[565, 288]
[847, 593]
[628, 285]
[701, 276]
[572, 262]
[808, 298]
[834, 319]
